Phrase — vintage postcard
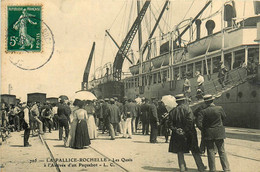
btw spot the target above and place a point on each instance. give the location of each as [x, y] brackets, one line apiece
[126, 85]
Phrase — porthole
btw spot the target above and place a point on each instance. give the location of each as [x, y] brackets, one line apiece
[253, 93]
[240, 94]
[228, 95]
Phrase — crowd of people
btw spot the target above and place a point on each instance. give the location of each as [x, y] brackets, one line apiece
[82, 119]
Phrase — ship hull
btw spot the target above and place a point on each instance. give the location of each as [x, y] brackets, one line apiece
[109, 89]
[241, 103]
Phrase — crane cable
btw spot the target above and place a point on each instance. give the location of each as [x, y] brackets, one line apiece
[165, 22]
[130, 15]
[103, 52]
[188, 10]
[117, 15]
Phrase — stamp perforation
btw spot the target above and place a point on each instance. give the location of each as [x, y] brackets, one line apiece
[6, 28]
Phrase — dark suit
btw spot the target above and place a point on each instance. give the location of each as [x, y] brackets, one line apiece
[130, 110]
[114, 118]
[210, 121]
[121, 109]
[145, 118]
[63, 114]
[153, 118]
[196, 114]
[104, 114]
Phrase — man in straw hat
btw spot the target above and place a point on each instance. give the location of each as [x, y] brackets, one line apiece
[210, 121]
[184, 135]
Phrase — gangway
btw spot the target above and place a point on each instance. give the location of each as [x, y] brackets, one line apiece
[235, 78]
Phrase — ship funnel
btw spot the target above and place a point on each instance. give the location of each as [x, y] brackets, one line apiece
[210, 25]
[257, 7]
[198, 23]
[229, 14]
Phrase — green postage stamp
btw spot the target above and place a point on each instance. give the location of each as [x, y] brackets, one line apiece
[24, 28]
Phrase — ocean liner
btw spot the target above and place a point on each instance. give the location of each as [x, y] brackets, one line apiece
[165, 60]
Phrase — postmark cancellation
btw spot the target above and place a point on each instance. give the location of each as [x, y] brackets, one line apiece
[28, 40]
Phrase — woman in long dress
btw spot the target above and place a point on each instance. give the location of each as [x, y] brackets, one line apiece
[73, 125]
[81, 135]
[22, 23]
[92, 128]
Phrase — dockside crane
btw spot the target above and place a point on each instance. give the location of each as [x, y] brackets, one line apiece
[126, 44]
[84, 84]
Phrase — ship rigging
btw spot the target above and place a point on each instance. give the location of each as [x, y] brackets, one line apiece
[178, 53]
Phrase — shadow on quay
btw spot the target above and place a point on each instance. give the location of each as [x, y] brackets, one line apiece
[53, 139]
[18, 146]
[242, 136]
[59, 146]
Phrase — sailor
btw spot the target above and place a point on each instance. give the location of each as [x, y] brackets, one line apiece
[210, 121]
[184, 135]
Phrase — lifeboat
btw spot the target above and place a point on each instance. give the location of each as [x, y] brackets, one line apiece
[134, 69]
[200, 46]
[162, 60]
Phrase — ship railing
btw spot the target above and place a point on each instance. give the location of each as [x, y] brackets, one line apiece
[214, 87]
[107, 78]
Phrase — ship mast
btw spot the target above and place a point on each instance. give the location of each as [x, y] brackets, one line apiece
[126, 44]
[193, 20]
[140, 27]
[156, 24]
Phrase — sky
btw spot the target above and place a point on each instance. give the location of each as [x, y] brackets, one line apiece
[75, 26]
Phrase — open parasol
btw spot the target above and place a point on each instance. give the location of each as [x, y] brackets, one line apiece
[85, 95]
[169, 101]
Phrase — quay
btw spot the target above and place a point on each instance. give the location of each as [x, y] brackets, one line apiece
[136, 154]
